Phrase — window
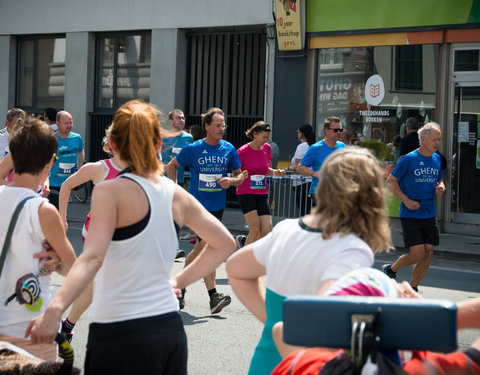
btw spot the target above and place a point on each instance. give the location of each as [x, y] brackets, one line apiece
[40, 73]
[408, 68]
[123, 69]
[466, 60]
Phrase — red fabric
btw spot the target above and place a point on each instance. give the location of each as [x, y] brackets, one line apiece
[309, 362]
[453, 363]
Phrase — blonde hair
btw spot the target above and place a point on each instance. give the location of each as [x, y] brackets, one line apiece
[105, 146]
[136, 132]
[351, 197]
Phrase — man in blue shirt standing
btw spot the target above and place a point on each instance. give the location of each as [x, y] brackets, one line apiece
[416, 179]
[317, 153]
[70, 155]
[210, 159]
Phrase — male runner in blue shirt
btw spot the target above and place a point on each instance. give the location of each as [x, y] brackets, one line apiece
[209, 159]
[415, 180]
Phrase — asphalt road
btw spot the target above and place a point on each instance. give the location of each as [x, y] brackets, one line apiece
[223, 343]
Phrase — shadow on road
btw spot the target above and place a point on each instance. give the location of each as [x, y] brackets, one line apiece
[190, 320]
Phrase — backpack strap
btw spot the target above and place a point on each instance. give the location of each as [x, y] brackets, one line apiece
[11, 227]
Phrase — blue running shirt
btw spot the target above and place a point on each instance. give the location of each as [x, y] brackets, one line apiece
[66, 165]
[207, 164]
[171, 146]
[418, 176]
[315, 156]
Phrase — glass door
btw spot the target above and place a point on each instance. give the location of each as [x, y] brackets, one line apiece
[465, 174]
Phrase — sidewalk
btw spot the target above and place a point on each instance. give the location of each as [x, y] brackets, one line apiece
[452, 246]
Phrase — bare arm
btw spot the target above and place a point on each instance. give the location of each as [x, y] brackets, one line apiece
[51, 227]
[306, 171]
[276, 172]
[295, 164]
[80, 158]
[394, 186]
[244, 274]
[171, 169]
[220, 243]
[236, 180]
[104, 219]
[89, 172]
[6, 165]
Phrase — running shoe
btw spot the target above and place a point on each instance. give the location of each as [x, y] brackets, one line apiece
[218, 301]
[181, 300]
[387, 270]
[240, 241]
[180, 254]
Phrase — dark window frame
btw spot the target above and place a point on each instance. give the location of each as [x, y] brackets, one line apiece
[408, 61]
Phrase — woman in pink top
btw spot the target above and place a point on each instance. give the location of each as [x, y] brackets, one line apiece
[96, 172]
[255, 157]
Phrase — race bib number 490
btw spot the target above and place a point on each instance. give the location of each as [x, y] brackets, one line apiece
[208, 182]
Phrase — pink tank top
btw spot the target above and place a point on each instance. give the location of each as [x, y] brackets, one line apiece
[111, 173]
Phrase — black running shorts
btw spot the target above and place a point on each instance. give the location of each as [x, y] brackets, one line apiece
[251, 202]
[420, 231]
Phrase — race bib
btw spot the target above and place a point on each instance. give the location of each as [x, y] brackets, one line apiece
[208, 182]
[257, 181]
[66, 169]
[175, 151]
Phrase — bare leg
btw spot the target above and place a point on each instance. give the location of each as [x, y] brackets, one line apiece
[421, 267]
[81, 304]
[265, 225]
[253, 222]
[416, 255]
[208, 279]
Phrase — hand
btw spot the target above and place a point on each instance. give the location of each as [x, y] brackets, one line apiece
[280, 172]
[406, 291]
[50, 257]
[316, 174]
[45, 191]
[176, 289]
[440, 189]
[43, 328]
[225, 182]
[245, 174]
[412, 205]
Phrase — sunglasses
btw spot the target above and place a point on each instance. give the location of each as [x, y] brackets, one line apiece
[336, 130]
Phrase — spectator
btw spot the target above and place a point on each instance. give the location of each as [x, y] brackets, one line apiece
[32, 148]
[410, 142]
[307, 255]
[13, 115]
[51, 117]
[312, 161]
[306, 137]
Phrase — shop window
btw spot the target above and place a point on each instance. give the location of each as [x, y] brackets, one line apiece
[408, 68]
[122, 69]
[375, 113]
[466, 60]
[40, 73]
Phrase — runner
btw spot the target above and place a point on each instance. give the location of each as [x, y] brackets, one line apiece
[96, 172]
[256, 157]
[209, 159]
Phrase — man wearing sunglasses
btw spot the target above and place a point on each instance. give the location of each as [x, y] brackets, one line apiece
[313, 159]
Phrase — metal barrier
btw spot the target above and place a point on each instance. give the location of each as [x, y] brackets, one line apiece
[287, 196]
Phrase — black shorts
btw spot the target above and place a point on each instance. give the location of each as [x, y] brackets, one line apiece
[153, 345]
[251, 202]
[218, 215]
[420, 231]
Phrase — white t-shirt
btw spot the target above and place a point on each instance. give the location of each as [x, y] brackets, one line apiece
[134, 279]
[27, 239]
[299, 153]
[297, 259]
[4, 139]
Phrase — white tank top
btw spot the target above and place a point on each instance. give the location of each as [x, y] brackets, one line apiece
[133, 281]
[27, 239]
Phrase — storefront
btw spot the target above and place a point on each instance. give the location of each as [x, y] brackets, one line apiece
[377, 65]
